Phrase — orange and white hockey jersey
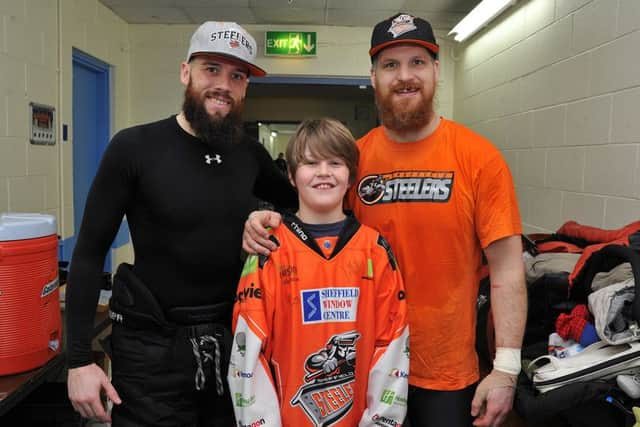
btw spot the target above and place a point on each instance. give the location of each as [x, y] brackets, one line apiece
[320, 332]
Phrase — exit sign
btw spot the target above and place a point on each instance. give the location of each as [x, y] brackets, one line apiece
[290, 43]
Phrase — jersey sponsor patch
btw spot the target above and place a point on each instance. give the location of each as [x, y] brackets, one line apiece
[255, 423]
[406, 351]
[329, 305]
[250, 265]
[383, 421]
[241, 343]
[391, 398]
[248, 292]
[242, 401]
[237, 373]
[399, 373]
[406, 186]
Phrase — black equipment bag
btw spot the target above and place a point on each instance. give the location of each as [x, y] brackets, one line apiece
[595, 402]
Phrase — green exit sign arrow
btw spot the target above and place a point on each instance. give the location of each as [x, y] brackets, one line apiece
[290, 43]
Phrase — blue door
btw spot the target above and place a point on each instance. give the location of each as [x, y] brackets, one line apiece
[91, 125]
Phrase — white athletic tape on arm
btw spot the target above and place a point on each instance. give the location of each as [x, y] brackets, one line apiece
[507, 360]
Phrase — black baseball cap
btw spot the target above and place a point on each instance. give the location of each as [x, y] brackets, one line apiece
[403, 28]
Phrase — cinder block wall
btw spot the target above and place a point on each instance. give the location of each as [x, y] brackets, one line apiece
[161, 48]
[556, 85]
[28, 73]
[36, 41]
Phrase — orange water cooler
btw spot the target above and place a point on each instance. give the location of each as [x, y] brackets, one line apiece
[30, 325]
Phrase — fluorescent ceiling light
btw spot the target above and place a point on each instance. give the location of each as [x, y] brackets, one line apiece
[482, 14]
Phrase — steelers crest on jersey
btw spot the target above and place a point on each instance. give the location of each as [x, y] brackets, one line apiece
[327, 395]
[406, 186]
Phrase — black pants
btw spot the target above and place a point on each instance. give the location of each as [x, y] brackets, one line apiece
[155, 378]
[433, 408]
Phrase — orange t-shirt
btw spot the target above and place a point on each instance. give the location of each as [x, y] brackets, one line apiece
[438, 201]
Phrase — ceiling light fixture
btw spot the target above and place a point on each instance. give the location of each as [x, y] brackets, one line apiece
[480, 16]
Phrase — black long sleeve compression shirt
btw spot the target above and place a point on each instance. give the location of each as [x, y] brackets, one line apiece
[185, 202]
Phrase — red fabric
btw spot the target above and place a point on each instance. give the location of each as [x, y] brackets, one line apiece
[558, 246]
[570, 326]
[595, 234]
[599, 238]
[539, 236]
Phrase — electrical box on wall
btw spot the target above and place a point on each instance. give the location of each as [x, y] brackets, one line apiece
[43, 124]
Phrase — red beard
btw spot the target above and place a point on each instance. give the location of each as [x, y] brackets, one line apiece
[404, 115]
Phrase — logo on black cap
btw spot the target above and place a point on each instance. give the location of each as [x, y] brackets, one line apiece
[403, 28]
[401, 25]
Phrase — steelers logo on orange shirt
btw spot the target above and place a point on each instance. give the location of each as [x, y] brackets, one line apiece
[406, 186]
[371, 189]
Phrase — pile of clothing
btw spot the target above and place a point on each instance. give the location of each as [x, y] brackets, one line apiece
[581, 352]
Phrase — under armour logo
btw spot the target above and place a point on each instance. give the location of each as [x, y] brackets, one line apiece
[209, 159]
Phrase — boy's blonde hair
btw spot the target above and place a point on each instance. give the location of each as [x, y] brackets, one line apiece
[325, 138]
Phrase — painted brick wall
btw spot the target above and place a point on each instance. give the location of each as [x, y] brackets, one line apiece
[556, 86]
[36, 41]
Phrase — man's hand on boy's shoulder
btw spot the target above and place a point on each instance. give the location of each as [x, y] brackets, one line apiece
[255, 237]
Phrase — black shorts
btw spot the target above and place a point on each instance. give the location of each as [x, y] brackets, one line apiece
[433, 408]
[155, 377]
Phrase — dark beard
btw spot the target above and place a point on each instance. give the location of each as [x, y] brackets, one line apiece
[212, 130]
[402, 118]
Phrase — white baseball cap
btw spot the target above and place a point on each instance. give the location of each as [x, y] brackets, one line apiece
[226, 39]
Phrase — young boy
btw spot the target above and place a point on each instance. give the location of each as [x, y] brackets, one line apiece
[321, 335]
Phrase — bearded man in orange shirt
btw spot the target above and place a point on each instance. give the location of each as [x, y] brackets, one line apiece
[443, 196]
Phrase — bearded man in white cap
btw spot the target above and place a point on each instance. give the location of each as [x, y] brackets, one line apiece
[186, 184]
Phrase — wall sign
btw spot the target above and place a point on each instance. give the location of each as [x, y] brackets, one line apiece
[290, 43]
[43, 124]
